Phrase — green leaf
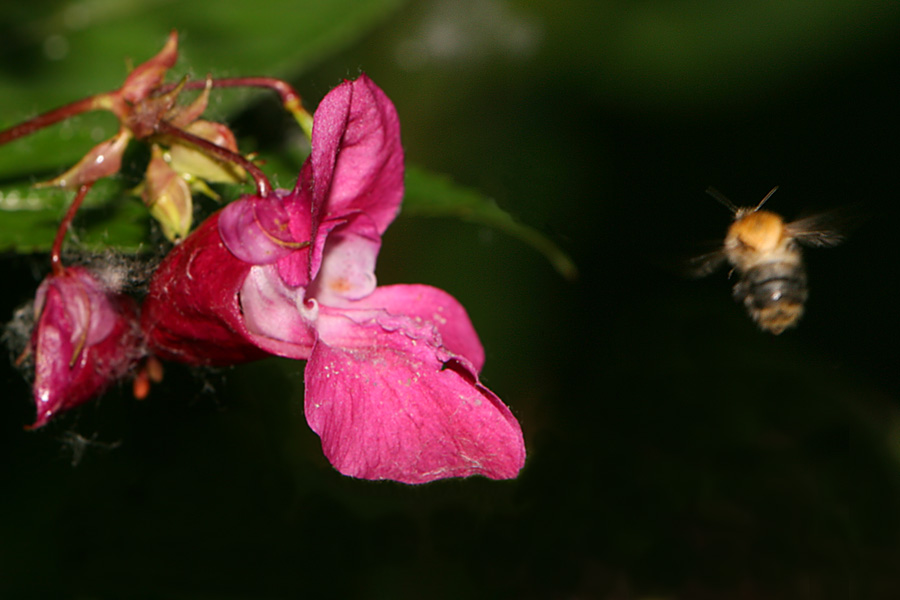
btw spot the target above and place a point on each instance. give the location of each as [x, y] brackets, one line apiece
[30, 217]
[433, 195]
[56, 63]
[51, 58]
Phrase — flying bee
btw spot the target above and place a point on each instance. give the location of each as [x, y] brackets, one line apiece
[764, 251]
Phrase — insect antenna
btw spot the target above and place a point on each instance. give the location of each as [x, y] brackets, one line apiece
[723, 200]
[763, 201]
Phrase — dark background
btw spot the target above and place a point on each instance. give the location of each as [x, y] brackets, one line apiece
[675, 451]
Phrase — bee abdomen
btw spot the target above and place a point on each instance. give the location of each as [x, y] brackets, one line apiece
[774, 294]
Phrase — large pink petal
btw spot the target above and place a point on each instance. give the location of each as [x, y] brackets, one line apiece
[357, 158]
[390, 408]
[432, 307]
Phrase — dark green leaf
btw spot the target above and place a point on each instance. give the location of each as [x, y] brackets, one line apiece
[432, 195]
[29, 218]
[51, 58]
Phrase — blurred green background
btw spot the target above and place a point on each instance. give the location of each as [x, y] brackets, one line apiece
[675, 451]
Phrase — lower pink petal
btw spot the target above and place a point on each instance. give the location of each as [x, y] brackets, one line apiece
[426, 305]
[393, 410]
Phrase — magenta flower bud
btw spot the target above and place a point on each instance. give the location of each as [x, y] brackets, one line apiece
[192, 313]
[391, 376]
[86, 337]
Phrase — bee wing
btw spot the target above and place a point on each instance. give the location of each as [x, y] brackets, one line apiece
[820, 238]
[826, 229]
[703, 265]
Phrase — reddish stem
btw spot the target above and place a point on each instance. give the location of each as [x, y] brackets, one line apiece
[48, 118]
[283, 88]
[263, 187]
[56, 249]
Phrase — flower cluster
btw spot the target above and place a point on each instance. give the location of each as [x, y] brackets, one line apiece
[391, 372]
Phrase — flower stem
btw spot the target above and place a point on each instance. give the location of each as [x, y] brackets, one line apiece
[263, 187]
[49, 118]
[289, 96]
[56, 249]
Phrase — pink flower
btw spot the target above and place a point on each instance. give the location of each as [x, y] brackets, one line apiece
[85, 338]
[392, 374]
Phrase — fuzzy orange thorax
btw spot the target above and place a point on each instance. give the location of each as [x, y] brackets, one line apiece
[761, 231]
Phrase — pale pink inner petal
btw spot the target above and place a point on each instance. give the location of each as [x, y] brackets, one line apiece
[94, 306]
[391, 410]
[347, 271]
[276, 315]
[70, 308]
[80, 300]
